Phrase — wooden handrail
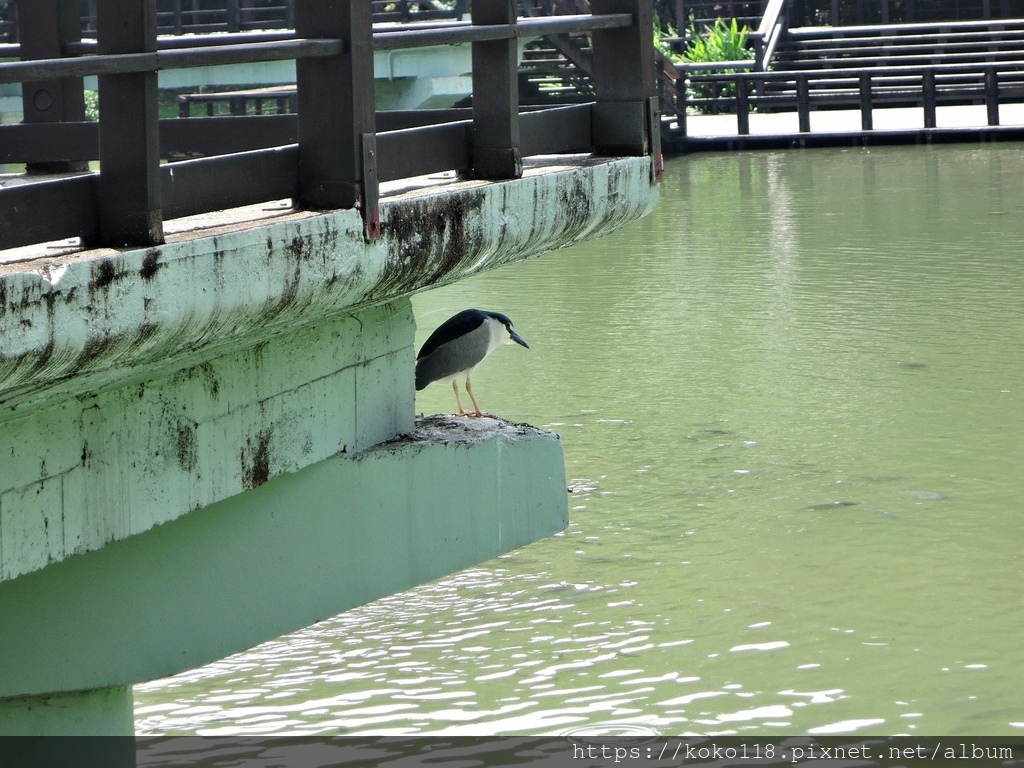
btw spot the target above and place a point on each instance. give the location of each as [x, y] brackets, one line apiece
[526, 27]
[178, 58]
[769, 32]
[709, 66]
[330, 155]
[770, 18]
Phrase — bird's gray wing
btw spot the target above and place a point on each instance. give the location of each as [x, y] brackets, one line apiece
[452, 357]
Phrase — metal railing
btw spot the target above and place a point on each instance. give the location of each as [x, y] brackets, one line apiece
[332, 154]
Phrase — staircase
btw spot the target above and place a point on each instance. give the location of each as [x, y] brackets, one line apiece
[555, 71]
[897, 55]
[916, 45]
[556, 68]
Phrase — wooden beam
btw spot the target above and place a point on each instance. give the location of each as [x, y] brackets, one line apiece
[496, 144]
[623, 79]
[45, 27]
[48, 210]
[130, 201]
[335, 102]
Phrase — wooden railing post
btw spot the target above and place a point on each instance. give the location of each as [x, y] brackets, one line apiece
[496, 146]
[803, 102]
[44, 28]
[680, 88]
[866, 118]
[742, 105]
[233, 15]
[130, 201]
[624, 80]
[928, 98]
[336, 110]
[176, 20]
[992, 95]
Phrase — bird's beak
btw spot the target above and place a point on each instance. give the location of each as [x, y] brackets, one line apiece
[517, 338]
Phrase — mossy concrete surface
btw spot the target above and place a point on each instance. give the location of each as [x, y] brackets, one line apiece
[302, 547]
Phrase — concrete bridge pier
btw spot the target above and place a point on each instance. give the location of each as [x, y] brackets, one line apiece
[209, 443]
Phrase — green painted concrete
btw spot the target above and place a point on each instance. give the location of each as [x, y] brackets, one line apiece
[110, 464]
[139, 385]
[300, 548]
[103, 712]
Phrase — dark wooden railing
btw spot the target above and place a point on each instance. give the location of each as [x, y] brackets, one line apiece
[866, 89]
[332, 154]
[181, 17]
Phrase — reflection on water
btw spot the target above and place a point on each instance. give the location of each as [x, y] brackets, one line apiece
[791, 408]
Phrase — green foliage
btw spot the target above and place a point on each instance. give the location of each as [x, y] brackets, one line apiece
[92, 105]
[722, 42]
[662, 31]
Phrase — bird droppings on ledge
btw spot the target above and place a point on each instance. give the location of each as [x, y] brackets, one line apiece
[448, 429]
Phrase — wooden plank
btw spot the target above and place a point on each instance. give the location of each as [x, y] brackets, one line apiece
[451, 34]
[229, 181]
[496, 146]
[129, 185]
[398, 119]
[421, 151]
[48, 210]
[49, 143]
[335, 102]
[623, 78]
[197, 137]
[222, 135]
[556, 130]
[172, 58]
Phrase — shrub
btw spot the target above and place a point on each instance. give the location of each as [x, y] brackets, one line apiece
[722, 42]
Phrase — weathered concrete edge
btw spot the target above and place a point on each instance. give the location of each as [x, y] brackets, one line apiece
[92, 319]
[81, 472]
[300, 548]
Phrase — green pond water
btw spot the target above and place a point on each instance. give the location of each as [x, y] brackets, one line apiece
[792, 406]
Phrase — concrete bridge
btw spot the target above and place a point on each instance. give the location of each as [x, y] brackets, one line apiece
[207, 418]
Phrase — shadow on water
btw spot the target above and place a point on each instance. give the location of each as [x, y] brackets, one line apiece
[791, 408]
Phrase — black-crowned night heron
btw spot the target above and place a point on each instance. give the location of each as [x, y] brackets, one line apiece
[458, 345]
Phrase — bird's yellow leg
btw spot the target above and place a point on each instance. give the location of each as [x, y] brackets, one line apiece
[469, 388]
[455, 388]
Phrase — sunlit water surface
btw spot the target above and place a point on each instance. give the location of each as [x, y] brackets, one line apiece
[791, 405]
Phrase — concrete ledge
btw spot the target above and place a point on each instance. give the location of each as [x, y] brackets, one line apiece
[104, 466]
[300, 548]
[77, 322]
[139, 385]
[103, 712]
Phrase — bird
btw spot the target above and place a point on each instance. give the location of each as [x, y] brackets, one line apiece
[458, 345]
